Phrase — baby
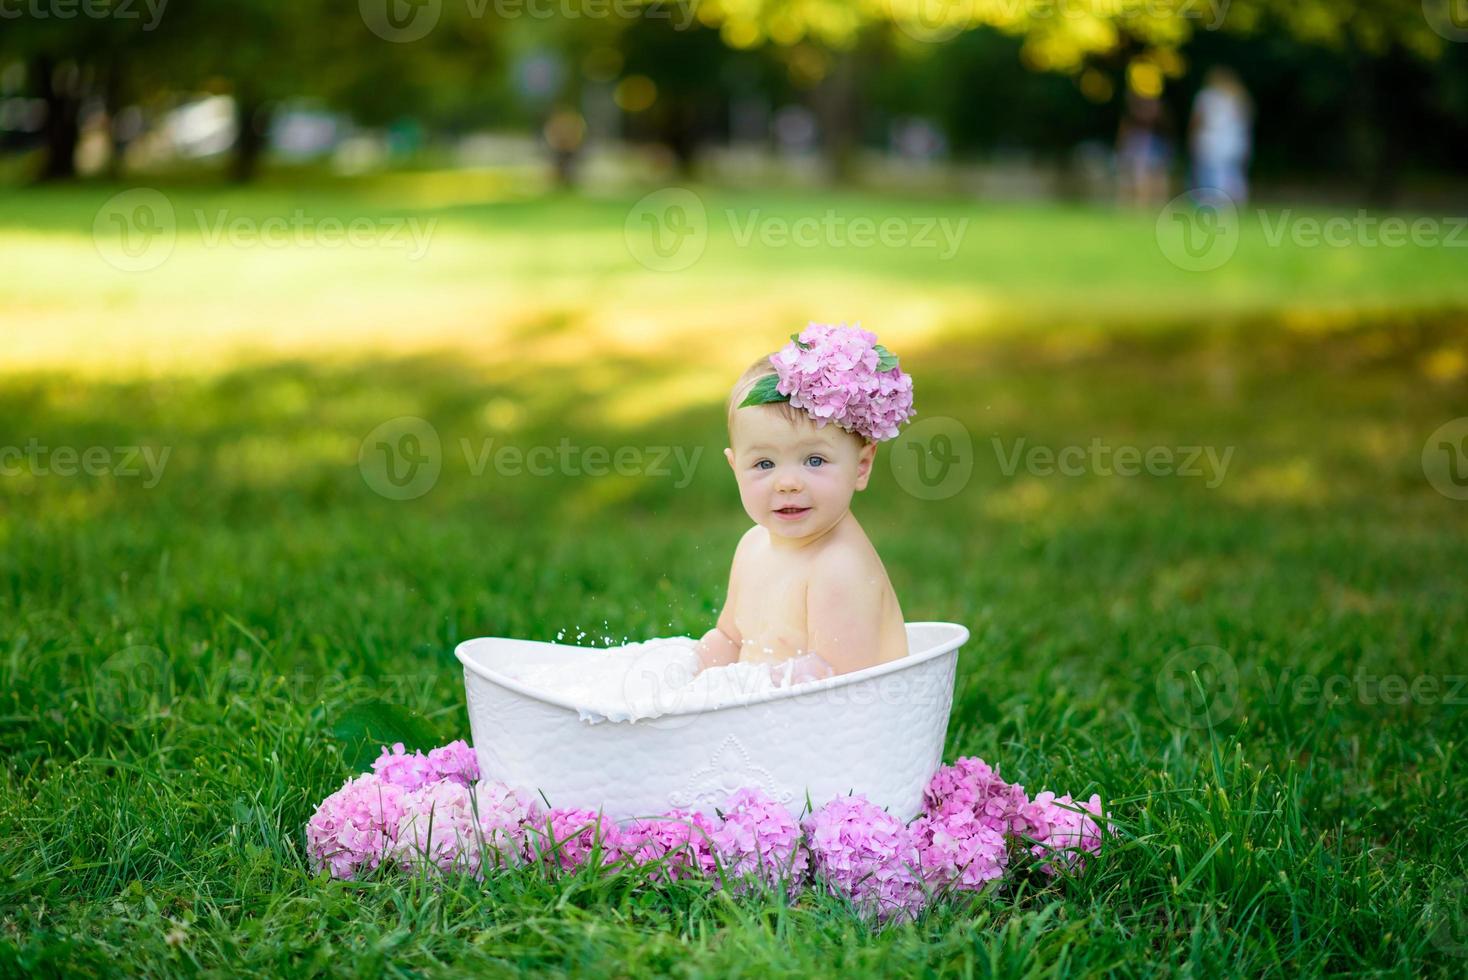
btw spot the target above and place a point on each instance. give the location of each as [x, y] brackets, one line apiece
[807, 592]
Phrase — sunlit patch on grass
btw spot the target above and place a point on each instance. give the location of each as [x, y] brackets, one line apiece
[268, 460]
[1292, 481]
[1445, 364]
[1026, 499]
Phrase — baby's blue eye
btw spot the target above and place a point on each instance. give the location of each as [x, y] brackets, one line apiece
[764, 464]
[815, 461]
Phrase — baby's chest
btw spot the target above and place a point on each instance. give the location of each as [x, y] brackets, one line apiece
[770, 613]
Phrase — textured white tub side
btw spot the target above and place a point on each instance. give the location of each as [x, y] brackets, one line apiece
[877, 732]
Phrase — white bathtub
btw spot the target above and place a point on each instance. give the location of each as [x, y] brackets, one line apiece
[877, 731]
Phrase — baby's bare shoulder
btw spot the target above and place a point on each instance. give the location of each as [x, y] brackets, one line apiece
[747, 551]
[753, 540]
[848, 563]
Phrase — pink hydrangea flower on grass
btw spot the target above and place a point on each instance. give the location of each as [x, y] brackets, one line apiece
[677, 844]
[1056, 825]
[841, 374]
[565, 838]
[353, 828]
[432, 812]
[958, 850]
[455, 761]
[449, 826]
[759, 842]
[971, 785]
[414, 770]
[1066, 831]
[867, 855]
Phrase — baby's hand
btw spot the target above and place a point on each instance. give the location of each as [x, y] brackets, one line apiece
[801, 670]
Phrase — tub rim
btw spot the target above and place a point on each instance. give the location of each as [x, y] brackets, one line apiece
[960, 636]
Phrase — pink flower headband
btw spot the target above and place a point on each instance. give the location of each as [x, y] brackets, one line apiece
[839, 374]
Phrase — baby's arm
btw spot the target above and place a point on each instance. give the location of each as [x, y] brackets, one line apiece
[843, 613]
[721, 644]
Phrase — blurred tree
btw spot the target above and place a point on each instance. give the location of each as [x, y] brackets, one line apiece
[69, 63]
[1107, 46]
[257, 51]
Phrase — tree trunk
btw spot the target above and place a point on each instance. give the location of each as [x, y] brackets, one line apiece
[62, 130]
[681, 133]
[249, 144]
[836, 108]
[1391, 76]
[112, 106]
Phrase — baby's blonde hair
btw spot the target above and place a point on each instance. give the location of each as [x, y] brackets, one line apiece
[759, 369]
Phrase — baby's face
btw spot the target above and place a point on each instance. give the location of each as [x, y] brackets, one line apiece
[795, 478]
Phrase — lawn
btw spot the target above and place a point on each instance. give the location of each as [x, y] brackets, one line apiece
[179, 634]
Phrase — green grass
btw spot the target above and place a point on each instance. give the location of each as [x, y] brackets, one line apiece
[172, 658]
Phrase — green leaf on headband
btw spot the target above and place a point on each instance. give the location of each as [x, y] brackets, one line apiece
[886, 360]
[764, 392]
[798, 342]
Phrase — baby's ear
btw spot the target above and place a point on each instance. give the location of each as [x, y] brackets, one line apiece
[864, 458]
[729, 455]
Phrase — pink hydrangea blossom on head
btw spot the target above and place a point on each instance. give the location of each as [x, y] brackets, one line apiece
[867, 855]
[677, 844]
[1067, 830]
[836, 374]
[958, 851]
[447, 825]
[353, 828]
[759, 842]
[565, 837]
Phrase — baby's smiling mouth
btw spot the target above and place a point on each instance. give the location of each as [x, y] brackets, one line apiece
[789, 513]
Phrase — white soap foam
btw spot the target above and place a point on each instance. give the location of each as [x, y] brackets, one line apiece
[644, 680]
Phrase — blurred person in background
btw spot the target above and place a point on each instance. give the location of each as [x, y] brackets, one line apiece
[1143, 151]
[1220, 134]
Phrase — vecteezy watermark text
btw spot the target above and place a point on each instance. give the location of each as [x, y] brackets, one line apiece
[1204, 685]
[568, 459]
[1199, 231]
[85, 9]
[1100, 459]
[669, 229]
[405, 21]
[402, 459]
[136, 230]
[832, 229]
[1363, 229]
[301, 230]
[36, 459]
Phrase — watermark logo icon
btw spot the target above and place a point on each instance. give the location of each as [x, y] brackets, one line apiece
[135, 231]
[1447, 18]
[1199, 687]
[401, 458]
[1447, 917]
[400, 21]
[932, 21]
[1445, 459]
[1199, 231]
[130, 682]
[667, 230]
[656, 686]
[933, 459]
